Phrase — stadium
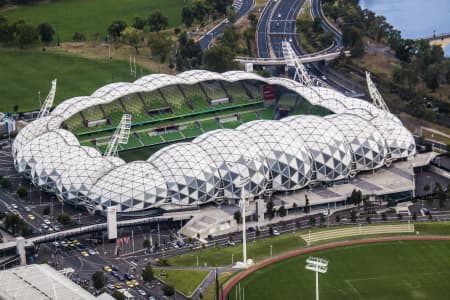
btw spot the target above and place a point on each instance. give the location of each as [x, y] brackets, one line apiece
[207, 137]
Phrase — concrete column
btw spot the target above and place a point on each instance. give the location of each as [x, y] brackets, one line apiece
[111, 221]
[260, 210]
[20, 247]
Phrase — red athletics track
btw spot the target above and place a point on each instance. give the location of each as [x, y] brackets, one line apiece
[240, 276]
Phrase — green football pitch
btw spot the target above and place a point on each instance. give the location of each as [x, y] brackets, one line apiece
[391, 270]
[91, 16]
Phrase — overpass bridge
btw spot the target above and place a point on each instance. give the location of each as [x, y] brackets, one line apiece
[439, 40]
[31, 242]
[304, 59]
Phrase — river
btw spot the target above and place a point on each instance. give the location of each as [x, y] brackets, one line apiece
[414, 18]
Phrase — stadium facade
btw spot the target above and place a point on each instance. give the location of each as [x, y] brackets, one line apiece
[256, 158]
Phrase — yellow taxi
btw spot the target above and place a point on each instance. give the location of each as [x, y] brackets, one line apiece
[118, 286]
[129, 284]
[134, 282]
[107, 269]
[84, 253]
[76, 242]
[31, 217]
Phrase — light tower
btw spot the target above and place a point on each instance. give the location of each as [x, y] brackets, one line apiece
[243, 203]
[318, 265]
[120, 136]
[48, 102]
[377, 99]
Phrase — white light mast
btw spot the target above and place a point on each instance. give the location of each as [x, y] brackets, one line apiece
[318, 265]
[120, 136]
[48, 103]
[377, 99]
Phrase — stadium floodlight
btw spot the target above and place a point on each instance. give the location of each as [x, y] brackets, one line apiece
[292, 60]
[120, 136]
[48, 103]
[243, 203]
[377, 99]
[318, 265]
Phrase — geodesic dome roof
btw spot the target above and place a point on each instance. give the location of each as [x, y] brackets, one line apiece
[237, 157]
[399, 140]
[328, 147]
[133, 186]
[368, 145]
[75, 183]
[190, 173]
[287, 157]
[41, 146]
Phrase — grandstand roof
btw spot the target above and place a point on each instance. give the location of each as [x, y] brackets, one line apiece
[290, 153]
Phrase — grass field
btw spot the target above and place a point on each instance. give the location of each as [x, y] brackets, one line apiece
[185, 281]
[91, 16]
[393, 270]
[24, 73]
[221, 256]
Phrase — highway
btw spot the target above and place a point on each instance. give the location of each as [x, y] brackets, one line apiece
[206, 40]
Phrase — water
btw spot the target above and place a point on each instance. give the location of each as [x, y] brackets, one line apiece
[414, 18]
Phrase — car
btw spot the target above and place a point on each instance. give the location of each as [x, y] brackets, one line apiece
[91, 252]
[129, 284]
[76, 243]
[175, 245]
[14, 206]
[231, 243]
[55, 243]
[81, 246]
[84, 253]
[141, 292]
[210, 237]
[323, 77]
[128, 276]
[56, 228]
[120, 277]
[279, 15]
[277, 24]
[115, 268]
[115, 273]
[180, 244]
[151, 298]
[118, 286]
[107, 269]
[27, 209]
[226, 21]
[135, 282]
[45, 226]
[50, 229]
[251, 229]
[110, 286]
[31, 217]
[275, 232]
[47, 221]
[290, 40]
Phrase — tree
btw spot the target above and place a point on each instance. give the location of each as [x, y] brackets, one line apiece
[322, 220]
[160, 45]
[26, 34]
[64, 219]
[146, 243]
[139, 23]
[157, 21]
[338, 218]
[116, 28]
[306, 208]
[356, 197]
[168, 290]
[317, 24]
[271, 230]
[312, 221]
[78, 37]
[132, 37]
[414, 216]
[238, 216]
[6, 31]
[99, 280]
[282, 211]
[147, 273]
[187, 17]
[118, 295]
[269, 207]
[46, 32]
[432, 76]
[22, 192]
[220, 59]
[368, 219]
[5, 182]
[46, 211]
[384, 217]
[353, 216]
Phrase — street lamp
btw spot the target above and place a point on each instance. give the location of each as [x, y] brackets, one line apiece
[318, 265]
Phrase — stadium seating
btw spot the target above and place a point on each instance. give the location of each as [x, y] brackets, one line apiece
[254, 89]
[214, 90]
[75, 123]
[176, 99]
[114, 111]
[134, 105]
[248, 116]
[195, 96]
[237, 92]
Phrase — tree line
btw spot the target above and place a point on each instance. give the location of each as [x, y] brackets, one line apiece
[23, 34]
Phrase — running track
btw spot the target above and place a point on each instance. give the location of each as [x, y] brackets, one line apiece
[240, 276]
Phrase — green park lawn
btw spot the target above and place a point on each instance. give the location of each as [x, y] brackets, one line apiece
[185, 281]
[391, 270]
[91, 16]
[24, 73]
[221, 256]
